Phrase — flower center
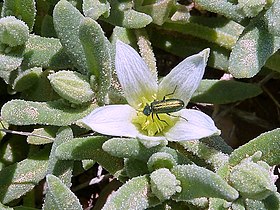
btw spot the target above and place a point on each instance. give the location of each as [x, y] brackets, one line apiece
[150, 123]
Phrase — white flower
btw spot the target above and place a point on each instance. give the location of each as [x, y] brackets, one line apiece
[140, 88]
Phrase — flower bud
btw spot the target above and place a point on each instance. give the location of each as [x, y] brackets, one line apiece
[13, 32]
[164, 184]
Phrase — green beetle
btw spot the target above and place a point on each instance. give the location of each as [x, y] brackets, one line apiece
[165, 106]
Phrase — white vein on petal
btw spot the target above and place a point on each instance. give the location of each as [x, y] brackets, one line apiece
[114, 120]
[185, 77]
[197, 126]
[134, 75]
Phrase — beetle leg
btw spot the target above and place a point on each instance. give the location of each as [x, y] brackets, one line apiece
[161, 120]
[169, 94]
[177, 116]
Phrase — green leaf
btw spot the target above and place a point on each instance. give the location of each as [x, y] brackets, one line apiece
[22, 9]
[252, 50]
[199, 182]
[45, 52]
[19, 178]
[125, 35]
[132, 195]
[8, 63]
[134, 167]
[225, 8]
[217, 30]
[67, 20]
[224, 91]
[251, 8]
[13, 32]
[48, 132]
[122, 14]
[47, 27]
[63, 169]
[272, 201]
[60, 195]
[89, 148]
[159, 11]
[272, 18]
[209, 154]
[27, 79]
[161, 160]
[95, 8]
[13, 150]
[184, 46]
[20, 112]
[268, 143]
[128, 148]
[5, 207]
[219, 204]
[98, 55]
[41, 90]
[72, 86]
[255, 204]
[252, 180]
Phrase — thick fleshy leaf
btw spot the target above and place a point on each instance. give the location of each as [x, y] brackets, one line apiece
[20, 112]
[122, 14]
[97, 50]
[268, 143]
[22, 177]
[89, 148]
[134, 75]
[59, 194]
[95, 8]
[41, 90]
[128, 148]
[197, 182]
[198, 125]
[9, 63]
[272, 17]
[63, 169]
[132, 195]
[251, 8]
[67, 20]
[48, 132]
[224, 91]
[252, 50]
[72, 86]
[252, 180]
[22, 9]
[45, 52]
[114, 120]
[13, 31]
[180, 46]
[26, 79]
[225, 8]
[209, 150]
[159, 11]
[185, 77]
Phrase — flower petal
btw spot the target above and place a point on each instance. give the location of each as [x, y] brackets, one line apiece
[197, 126]
[114, 120]
[185, 77]
[134, 75]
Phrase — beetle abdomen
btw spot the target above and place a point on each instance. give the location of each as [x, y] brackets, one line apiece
[167, 106]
